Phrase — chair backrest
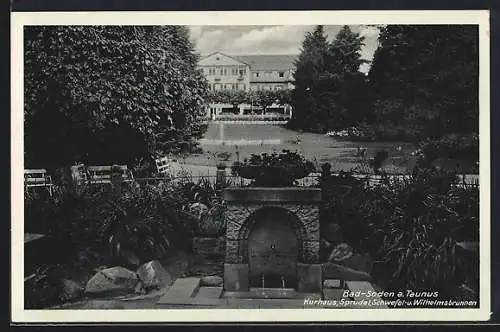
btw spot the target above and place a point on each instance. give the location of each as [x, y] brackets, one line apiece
[36, 176]
[104, 173]
[162, 165]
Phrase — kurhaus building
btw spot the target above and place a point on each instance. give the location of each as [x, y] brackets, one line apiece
[246, 73]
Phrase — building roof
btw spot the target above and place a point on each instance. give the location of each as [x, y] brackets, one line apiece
[267, 62]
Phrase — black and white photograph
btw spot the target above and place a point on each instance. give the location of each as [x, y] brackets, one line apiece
[177, 163]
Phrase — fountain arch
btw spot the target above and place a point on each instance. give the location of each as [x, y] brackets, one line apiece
[291, 216]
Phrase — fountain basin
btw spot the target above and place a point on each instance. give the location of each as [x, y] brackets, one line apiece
[270, 293]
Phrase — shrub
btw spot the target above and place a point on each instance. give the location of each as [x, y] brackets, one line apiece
[452, 146]
[410, 227]
[146, 220]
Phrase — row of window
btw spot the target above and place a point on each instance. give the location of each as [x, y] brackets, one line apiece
[267, 87]
[259, 87]
[223, 71]
[216, 86]
[268, 73]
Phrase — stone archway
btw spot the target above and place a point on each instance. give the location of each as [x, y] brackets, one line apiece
[246, 212]
[274, 247]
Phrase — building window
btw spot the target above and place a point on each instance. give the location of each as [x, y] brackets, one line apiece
[217, 58]
[224, 71]
[257, 74]
[278, 87]
[242, 72]
[282, 74]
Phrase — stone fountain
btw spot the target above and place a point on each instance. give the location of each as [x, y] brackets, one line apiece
[272, 241]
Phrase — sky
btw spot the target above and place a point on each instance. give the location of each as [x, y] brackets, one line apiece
[266, 39]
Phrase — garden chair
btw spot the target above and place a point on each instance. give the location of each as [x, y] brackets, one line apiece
[163, 166]
[103, 174]
[38, 178]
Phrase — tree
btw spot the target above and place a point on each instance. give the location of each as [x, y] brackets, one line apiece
[264, 98]
[344, 93]
[110, 94]
[330, 91]
[425, 79]
[310, 64]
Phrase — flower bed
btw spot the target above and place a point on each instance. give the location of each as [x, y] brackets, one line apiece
[274, 169]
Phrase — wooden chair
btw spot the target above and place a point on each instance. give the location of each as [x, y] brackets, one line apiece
[163, 166]
[103, 174]
[38, 178]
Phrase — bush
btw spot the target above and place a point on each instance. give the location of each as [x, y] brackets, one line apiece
[465, 147]
[410, 227]
[145, 219]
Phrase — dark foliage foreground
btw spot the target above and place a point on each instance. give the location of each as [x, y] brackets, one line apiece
[412, 228]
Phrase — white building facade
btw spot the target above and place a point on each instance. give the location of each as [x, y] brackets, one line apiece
[246, 73]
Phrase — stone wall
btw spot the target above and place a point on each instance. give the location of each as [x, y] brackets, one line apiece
[239, 224]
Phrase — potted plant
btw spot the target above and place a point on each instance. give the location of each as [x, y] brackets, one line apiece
[221, 159]
[276, 169]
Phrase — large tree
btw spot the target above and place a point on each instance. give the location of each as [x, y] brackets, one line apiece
[110, 94]
[344, 93]
[330, 91]
[310, 65]
[425, 79]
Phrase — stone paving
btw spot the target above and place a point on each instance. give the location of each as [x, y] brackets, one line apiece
[186, 293]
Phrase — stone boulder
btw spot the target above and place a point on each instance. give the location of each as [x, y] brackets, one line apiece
[70, 290]
[212, 281]
[153, 275]
[112, 280]
[341, 252]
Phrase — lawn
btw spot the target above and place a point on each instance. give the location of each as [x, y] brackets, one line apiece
[258, 138]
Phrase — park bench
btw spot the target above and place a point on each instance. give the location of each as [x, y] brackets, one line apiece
[103, 174]
[38, 178]
[163, 166]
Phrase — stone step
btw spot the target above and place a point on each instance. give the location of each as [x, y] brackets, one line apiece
[181, 290]
[361, 289]
[209, 293]
[339, 272]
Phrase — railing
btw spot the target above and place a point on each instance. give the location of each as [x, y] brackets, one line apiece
[464, 180]
[312, 180]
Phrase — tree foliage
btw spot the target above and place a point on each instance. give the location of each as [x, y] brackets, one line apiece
[330, 91]
[425, 79]
[259, 98]
[109, 94]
